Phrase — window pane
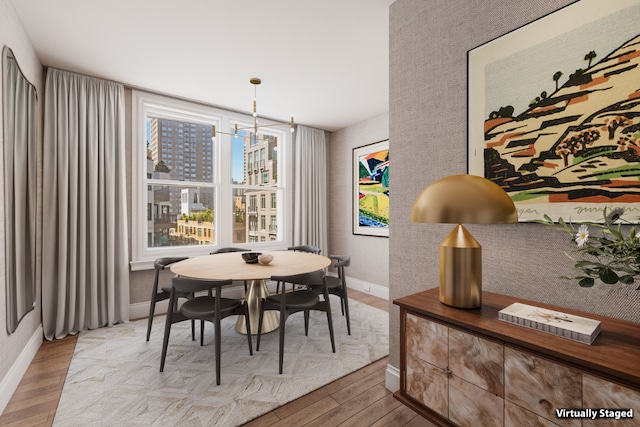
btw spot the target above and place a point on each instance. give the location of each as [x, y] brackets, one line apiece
[254, 161]
[180, 216]
[239, 216]
[179, 150]
[238, 166]
[255, 220]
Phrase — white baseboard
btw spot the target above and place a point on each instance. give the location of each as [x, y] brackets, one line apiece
[11, 381]
[392, 379]
[367, 287]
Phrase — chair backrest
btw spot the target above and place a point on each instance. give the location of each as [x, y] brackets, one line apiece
[229, 249]
[305, 248]
[185, 284]
[160, 264]
[309, 279]
[341, 260]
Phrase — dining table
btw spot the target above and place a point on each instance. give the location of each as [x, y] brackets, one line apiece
[231, 265]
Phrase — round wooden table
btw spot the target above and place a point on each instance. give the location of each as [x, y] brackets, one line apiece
[232, 266]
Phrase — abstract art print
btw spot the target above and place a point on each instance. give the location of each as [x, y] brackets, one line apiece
[371, 189]
[554, 112]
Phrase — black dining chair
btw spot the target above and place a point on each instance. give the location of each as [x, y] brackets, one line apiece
[164, 292]
[305, 248]
[232, 249]
[338, 285]
[212, 308]
[229, 249]
[288, 303]
[301, 248]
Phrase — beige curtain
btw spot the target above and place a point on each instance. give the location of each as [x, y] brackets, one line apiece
[310, 212]
[85, 281]
[20, 210]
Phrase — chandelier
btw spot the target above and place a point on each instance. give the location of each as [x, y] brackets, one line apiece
[256, 126]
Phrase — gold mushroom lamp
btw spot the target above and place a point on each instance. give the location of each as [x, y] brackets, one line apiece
[462, 199]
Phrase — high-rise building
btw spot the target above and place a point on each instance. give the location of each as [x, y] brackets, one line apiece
[261, 169]
[186, 151]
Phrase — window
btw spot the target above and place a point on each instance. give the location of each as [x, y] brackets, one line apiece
[193, 191]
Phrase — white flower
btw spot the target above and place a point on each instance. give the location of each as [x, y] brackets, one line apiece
[582, 235]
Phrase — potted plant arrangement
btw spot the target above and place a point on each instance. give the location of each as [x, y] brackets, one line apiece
[607, 251]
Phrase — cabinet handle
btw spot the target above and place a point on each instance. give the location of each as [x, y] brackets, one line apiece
[445, 371]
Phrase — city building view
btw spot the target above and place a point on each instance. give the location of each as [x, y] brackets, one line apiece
[180, 197]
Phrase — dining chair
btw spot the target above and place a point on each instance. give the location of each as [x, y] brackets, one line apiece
[305, 248]
[211, 308]
[338, 285]
[164, 292]
[229, 249]
[232, 249]
[301, 248]
[288, 303]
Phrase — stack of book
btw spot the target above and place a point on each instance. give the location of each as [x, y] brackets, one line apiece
[564, 325]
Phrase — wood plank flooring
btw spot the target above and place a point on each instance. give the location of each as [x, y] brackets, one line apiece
[358, 399]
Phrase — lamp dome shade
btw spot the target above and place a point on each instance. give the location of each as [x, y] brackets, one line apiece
[466, 199]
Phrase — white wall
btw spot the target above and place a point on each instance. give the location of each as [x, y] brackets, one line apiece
[18, 348]
[369, 255]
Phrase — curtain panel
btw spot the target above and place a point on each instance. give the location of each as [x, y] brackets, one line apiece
[85, 283]
[20, 195]
[310, 213]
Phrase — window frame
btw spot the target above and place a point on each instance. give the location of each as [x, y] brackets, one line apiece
[145, 103]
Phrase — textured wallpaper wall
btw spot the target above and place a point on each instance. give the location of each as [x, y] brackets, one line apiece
[369, 255]
[428, 129]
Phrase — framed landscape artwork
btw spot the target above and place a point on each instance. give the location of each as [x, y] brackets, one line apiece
[554, 112]
[371, 189]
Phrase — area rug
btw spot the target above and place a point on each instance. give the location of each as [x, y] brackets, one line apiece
[114, 377]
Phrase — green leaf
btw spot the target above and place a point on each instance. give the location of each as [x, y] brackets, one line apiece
[627, 280]
[608, 276]
[616, 233]
[587, 282]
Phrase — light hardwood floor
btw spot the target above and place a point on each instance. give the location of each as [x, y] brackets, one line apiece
[358, 399]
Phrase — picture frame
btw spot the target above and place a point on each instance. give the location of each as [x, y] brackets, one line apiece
[370, 183]
[554, 112]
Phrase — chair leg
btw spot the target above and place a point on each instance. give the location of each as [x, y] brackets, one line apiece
[218, 332]
[327, 306]
[201, 333]
[193, 324]
[152, 309]
[283, 320]
[346, 310]
[165, 341]
[260, 325]
[306, 323]
[247, 322]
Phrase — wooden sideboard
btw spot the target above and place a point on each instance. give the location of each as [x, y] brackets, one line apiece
[466, 367]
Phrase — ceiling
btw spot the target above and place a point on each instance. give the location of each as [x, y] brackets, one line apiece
[323, 61]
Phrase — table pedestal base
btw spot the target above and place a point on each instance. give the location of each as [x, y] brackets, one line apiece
[271, 320]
